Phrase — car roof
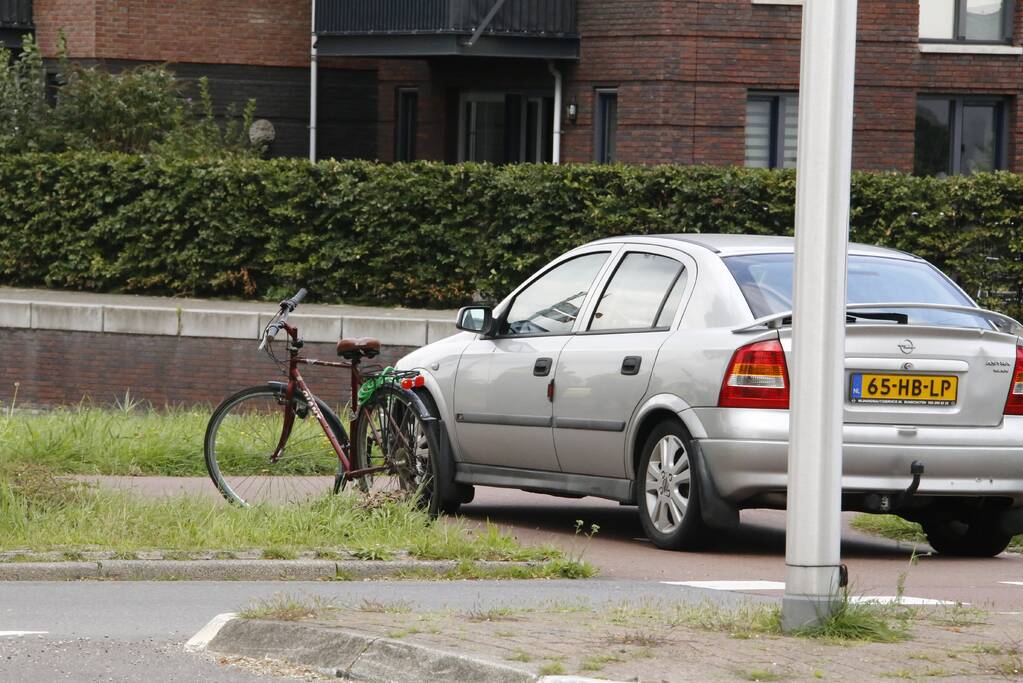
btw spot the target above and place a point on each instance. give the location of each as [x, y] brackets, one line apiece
[735, 245]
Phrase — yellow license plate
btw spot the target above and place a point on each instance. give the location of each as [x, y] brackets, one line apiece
[922, 390]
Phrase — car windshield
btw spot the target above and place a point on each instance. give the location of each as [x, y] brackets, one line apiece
[766, 282]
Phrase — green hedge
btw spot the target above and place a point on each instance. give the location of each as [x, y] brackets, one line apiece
[429, 234]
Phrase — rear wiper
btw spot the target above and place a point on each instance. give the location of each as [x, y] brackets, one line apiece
[897, 318]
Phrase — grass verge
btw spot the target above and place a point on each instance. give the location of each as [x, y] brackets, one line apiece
[898, 529]
[40, 511]
[130, 440]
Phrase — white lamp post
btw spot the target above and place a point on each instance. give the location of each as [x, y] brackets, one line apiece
[813, 527]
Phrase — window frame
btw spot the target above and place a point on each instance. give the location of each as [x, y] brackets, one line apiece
[601, 98]
[958, 105]
[776, 145]
[959, 24]
[406, 124]
[660, 308]
[611, 251]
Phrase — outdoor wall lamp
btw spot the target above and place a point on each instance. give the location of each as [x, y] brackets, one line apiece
[573, 112]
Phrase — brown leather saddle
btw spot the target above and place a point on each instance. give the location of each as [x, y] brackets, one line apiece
[362, 347]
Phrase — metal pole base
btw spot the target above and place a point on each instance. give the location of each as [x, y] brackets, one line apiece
[799, 612]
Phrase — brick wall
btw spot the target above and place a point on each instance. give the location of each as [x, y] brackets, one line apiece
[683, 71]
[61, 368]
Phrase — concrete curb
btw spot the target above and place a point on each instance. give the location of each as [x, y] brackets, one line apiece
[227, 570]
[351, 655]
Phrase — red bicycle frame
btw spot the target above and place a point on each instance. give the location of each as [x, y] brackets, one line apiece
[345, 452]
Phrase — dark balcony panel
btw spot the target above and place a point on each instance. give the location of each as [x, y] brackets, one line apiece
[423, 28]
[16, 14]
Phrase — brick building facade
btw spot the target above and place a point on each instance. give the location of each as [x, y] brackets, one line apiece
[938, 81]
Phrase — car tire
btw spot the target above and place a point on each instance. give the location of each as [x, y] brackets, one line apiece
[668, 490]
[975, 537]
[450, 494]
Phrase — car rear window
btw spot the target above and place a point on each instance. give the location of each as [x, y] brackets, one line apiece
[766, 282]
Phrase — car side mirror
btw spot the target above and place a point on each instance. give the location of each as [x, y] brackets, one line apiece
[478, 319]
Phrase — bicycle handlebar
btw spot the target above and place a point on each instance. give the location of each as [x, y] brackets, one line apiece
[292, 303]
[287, 306]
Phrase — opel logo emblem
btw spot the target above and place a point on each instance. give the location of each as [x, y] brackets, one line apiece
[907, 347]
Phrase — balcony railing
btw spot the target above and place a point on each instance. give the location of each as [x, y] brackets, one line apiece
[16, 13]
[521, 28]
[515, 17]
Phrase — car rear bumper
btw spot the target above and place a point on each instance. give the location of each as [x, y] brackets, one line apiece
[746, 452]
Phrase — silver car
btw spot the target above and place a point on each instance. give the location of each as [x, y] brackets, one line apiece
[653, 371]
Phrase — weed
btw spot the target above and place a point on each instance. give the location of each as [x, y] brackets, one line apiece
[761, 675]
[73, 556]
[284, 607]
[380, 607]
[375, 553]
[123, 555]
[637, 638]
[493, 614]
[274, 553]
[598, 662]
[889, 526]
[519, 656]
[958, 615]
[552, 669]
[867, 622]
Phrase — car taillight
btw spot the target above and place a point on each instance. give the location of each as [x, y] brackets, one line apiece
[756, 378]
[1014, 403]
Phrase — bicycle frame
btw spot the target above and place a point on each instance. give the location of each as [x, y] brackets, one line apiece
[346, 455]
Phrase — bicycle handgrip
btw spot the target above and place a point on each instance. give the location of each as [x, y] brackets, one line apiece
[292, 303]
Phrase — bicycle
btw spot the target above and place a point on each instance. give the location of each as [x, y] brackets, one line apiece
[278, 442]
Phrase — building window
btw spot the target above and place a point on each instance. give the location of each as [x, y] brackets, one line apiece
[406, 122]
[772, 125]
[959, 135]
[605, 124]
[505, 128]
[979, 21]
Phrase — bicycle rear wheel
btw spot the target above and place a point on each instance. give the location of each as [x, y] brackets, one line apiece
[392, 434]
[242, 436]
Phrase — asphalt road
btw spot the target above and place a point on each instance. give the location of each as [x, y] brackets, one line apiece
[756, 551]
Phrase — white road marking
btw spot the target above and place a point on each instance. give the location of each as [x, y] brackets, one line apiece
[899, 600]
[1012, 583]
[780, 586]
[16, 634]
[731, 585]
[200, 640]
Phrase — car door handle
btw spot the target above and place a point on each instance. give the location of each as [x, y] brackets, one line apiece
[630, 366]
[542, 367]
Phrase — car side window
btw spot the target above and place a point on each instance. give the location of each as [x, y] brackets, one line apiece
[642, 289]
[551, 304]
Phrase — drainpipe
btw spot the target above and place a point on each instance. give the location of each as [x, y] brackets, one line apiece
[556, 153]
[313, 87]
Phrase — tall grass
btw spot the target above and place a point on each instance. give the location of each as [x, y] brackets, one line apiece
[88, 440]
[40, 511]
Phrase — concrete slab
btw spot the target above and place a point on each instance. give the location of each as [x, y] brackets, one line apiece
[15, 314]
[395, 331]
[312, 328]
[220, 324]
[76, 317]
[438, 329]
[131, 320]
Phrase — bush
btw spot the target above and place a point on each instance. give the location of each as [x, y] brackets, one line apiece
[137, 110]
[428, 234]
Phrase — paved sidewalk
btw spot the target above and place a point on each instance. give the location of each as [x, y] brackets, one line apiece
[672, 640]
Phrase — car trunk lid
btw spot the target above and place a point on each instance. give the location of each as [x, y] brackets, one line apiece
[923, 375]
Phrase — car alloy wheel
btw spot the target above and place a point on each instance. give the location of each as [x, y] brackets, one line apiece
[667, 484]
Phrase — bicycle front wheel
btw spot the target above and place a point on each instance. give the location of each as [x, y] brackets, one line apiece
[393, 436]
[242, 437]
